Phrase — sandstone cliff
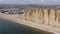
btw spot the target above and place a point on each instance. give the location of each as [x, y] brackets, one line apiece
[47, 16]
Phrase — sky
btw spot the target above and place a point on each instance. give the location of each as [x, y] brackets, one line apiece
[46, 2]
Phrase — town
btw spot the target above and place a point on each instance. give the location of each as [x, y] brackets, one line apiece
[11, 10]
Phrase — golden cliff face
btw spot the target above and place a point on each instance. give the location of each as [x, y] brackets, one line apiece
[47, 16]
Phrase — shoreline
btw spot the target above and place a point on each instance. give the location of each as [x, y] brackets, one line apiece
[31, 24]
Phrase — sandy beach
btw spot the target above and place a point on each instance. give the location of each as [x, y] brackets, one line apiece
[31, 24]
